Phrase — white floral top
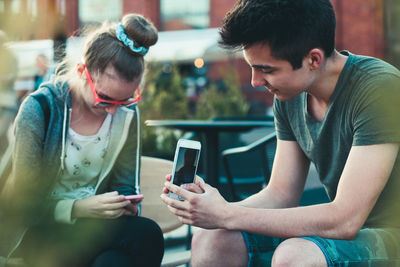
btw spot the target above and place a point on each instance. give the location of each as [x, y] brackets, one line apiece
[83, 163]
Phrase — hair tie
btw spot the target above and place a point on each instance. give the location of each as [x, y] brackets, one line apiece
[121, 35]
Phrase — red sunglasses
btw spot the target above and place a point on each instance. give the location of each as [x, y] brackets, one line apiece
[100, 102]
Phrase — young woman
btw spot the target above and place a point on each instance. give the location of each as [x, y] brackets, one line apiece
[77, 153]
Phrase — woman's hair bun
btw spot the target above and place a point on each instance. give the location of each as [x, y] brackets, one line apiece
[140, 30]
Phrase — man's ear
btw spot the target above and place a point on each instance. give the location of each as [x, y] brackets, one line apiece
[315, 58]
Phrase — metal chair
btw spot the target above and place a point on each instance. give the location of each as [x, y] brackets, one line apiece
[248, 159]
[257, 159]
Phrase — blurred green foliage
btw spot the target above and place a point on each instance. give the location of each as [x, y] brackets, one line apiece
[224, 100]
[164, 97]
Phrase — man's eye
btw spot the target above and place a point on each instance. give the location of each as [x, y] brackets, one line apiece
[267, 71]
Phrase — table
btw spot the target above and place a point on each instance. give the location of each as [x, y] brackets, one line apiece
[209, 130]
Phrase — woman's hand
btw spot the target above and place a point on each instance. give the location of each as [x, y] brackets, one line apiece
[109, 205]
[132, 208]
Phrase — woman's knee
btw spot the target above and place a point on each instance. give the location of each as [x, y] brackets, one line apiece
[147, 244]
[298, 252]
[152, 231]
[112, 258]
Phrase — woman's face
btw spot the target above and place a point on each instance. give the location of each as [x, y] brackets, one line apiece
[109, 86]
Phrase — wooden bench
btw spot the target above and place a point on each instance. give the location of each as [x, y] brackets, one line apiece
[152, 178]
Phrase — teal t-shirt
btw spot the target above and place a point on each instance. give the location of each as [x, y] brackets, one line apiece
[364, 110]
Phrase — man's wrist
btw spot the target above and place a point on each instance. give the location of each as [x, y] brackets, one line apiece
[229, 216]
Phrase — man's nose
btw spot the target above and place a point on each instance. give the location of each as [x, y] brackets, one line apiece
[111, 109]
[257, 79]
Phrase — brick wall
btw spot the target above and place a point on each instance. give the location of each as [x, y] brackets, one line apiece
[218, 9]
[72, 16]
[360, 26]
[148, 8]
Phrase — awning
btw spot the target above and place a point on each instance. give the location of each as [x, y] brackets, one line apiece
[176, 46]
[187, 45]
[172, 46]
[26, 53]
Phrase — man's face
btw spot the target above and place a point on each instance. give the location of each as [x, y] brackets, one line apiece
[276, 75]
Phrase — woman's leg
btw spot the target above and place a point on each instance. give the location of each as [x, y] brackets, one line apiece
[95, 241]
[138, 237]
[113, 258]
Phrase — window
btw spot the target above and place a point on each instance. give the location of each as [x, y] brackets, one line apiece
[392, 27]
[16, 6]
[97, 11]
[2, 7]
[183, 14]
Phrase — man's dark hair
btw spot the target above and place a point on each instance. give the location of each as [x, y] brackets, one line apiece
[291, 28]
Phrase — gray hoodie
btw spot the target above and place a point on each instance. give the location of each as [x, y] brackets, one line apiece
[39, 153]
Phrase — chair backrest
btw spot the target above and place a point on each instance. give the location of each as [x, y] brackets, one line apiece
[152, 178]
[248, 168]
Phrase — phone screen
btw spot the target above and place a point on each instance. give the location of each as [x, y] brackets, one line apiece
[186, 165]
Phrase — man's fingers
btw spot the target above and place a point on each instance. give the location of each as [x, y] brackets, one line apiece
[178, 191]
[168, 178]
[203, 185]
[179, 213]
[199, 180]
[173, 202]
[193, 188]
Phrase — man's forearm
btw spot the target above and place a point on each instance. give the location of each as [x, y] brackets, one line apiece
[267, 199]
[325, 220]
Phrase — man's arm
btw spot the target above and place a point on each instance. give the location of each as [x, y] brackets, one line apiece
[288, 177]
[284, 189]
[365, 174]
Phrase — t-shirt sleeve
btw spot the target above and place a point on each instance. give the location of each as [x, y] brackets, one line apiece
[377, 113]
[282, 126]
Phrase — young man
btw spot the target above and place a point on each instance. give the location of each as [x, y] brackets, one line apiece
[337, 110]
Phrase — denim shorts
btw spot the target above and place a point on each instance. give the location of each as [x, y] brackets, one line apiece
[371, 247]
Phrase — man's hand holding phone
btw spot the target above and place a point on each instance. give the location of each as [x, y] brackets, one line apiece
[189, 197]
[202, 204]
[192, 187]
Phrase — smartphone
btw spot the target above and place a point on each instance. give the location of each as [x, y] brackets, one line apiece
[186, 160]
[134, 197]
